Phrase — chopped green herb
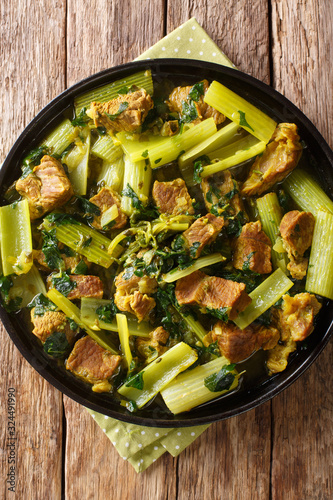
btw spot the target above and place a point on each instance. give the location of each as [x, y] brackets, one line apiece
[131, 406]
[198, 167]
[82, 119]
[87, 242]
[189, 112]
[81, 268]
[144, 154]
[222, 313]
[101, 130]
[157, 161]
[60, 219]
[56, 345]
[129, 191]
[107, 313]
[41, 304]
[72, 325]
[122, 107]
[221, 380]
[243, 122]
[87, 207]
[196, 91]
[136, 381]
[246, 264]
[51, 250]
[35, 156]
[194, 248]
[63, 283]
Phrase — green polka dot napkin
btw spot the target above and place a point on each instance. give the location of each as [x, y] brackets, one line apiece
[142, 446]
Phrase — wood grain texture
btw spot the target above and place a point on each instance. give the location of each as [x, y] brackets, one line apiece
[303, 415]
[33, 58]
[116, 33]
[231, 25]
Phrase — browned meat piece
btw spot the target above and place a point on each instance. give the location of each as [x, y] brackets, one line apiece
[277, 161]
[132, 294]
[69, 262]
[151, 348]
[223, 187]
[202, 232]
[277, 358]
[105, 199]
[172, 197]
[296, 316]
[86, 286]
[181, 94]
[211, 292]
[252, 249]
[90, 362]
[50, 322]
[236, 344]
[128, 111]
[296, 229]
[46, 188]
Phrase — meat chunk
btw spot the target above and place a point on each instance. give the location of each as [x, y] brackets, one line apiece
[46, 188]
[132, 294]
[252, 249]
[296, 229]
[221, 191]
[277, 161]
[236, 344]
[212, 293]
[51, 322]
[202, 232]
[172, 197]
[105, 199]
[69, 262]
[90, 362]
[296, 316]
[181, 95]
[125, 112]
[85, 286]
[153, 347]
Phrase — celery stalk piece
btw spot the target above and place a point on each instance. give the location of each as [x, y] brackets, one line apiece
[79, 176]
[109, 215]
[124, 339]
[221, 138]
[194, 325]
[16, 240]
[73, 312]
[112, 174]
[270, 214]
[235, 159]
[175, 226]
[188, 389]
[27, 286]
[137, 177]
[106, 149]
[159, 373]
[320, 270]
[176, 274]
[90, 317]
[142, 79]
[83, 240]
[240, 111]
[61, 137]
[162, 150]
[307, 193]
[263, 297]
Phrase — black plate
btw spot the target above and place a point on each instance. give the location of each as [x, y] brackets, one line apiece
[320, 160]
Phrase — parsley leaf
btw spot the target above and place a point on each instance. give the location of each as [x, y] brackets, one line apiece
[51, 250]
[41, 304]
[196, 91]
[222, 313]
[243, 122]
[56, 345]
[81, 268]
[122, 107]
[189, 112]
[34, 157]
[82, 119]
[107, 313]
[198, 167]
[60, 219]
[136, 381]
[63, 284]
[221, 380]
[194, 248]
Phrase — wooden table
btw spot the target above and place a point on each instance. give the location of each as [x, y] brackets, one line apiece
[281, 450]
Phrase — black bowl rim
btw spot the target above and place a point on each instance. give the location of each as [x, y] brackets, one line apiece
[67, 96]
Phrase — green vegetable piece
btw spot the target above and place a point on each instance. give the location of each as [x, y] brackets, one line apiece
[81, 120]
[196, 91]
[222, 313]
[145, 153]
[56, 345]
[194, 248]
[41, 305]
[243, 122]
[136, 381]
[108, 312]
[81, 268]
[221, 380]
[51, 250]
[122, 107]
[63, 284]
[189, 112]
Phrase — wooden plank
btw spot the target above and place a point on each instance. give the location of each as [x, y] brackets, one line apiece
[240, 29]
[302, 447]
[94, 468]
[113, 33]
[231, 459]
[31, 37]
